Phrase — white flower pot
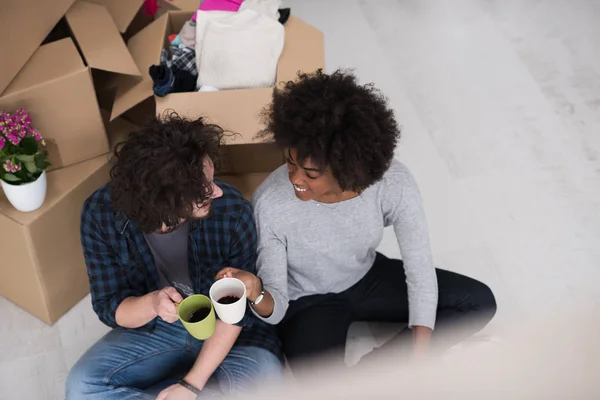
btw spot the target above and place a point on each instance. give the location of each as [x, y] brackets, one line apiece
[27, 197]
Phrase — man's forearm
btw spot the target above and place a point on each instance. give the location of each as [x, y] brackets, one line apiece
[134, 312]
[214, 351]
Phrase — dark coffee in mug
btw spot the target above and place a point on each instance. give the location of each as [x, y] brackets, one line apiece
[199, 314]
[228, 299]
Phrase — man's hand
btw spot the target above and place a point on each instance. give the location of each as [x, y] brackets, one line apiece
[250, 280]
[137, 311]
[164, 304]
[176, 392]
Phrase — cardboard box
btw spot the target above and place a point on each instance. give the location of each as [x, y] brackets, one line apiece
[41, 17]
[56, 87]
[118, 129]
[246, 183]
[250, 158]
[235, 110]
[43, 269]
[99, 39]
[23, 26]
[97, 36]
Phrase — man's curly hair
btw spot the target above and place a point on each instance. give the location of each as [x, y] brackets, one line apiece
[159, 173]
[337, 123]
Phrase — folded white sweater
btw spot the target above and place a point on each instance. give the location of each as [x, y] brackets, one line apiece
[202, 19]
[237, 50]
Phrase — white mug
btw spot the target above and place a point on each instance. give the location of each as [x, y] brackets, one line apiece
[230, 313]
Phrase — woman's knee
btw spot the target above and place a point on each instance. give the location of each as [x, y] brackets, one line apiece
[484, 301]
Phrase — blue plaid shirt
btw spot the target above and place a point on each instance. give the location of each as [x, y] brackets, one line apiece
[120, 263]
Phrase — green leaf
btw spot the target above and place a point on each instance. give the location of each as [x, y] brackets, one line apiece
[30, 165]
[25, 157]
[40, 161]
[29, 145]
[8, 177]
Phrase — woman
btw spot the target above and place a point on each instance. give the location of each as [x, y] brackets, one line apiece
[321, 217]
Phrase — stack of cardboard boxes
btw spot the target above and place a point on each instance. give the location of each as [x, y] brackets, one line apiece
[81, 69]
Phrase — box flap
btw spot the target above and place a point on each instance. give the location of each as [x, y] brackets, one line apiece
[185, 5]
[23, 26]
[140, 21]
[50, 61]
[145, 48]
[60, 183]
[303, 50]
[122, 11]
[99, 39]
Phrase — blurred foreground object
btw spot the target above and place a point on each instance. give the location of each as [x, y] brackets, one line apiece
[543, 358]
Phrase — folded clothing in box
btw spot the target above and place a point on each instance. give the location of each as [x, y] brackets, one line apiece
[235, 110]
[237, 50]
[267, 7]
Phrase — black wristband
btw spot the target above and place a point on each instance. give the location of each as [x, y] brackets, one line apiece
[189, 387]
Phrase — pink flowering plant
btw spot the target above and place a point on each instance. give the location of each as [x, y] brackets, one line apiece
[23, 152]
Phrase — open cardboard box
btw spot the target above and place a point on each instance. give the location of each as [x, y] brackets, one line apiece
[57, 88]
[43, 269]
[23, 26]
[39, 17]
[237, 111]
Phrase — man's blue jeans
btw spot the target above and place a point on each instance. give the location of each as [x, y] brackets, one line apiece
[127, 364]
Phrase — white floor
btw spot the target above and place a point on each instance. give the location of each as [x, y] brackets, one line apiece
[500, 104]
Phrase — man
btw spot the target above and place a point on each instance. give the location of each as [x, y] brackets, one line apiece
[158, 232]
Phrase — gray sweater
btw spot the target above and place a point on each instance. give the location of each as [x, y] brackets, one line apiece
[307, 248]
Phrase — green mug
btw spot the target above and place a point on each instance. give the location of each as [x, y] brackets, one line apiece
[204, 328]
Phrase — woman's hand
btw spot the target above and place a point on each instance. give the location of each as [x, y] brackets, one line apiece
[250, 280]
[421, 342]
